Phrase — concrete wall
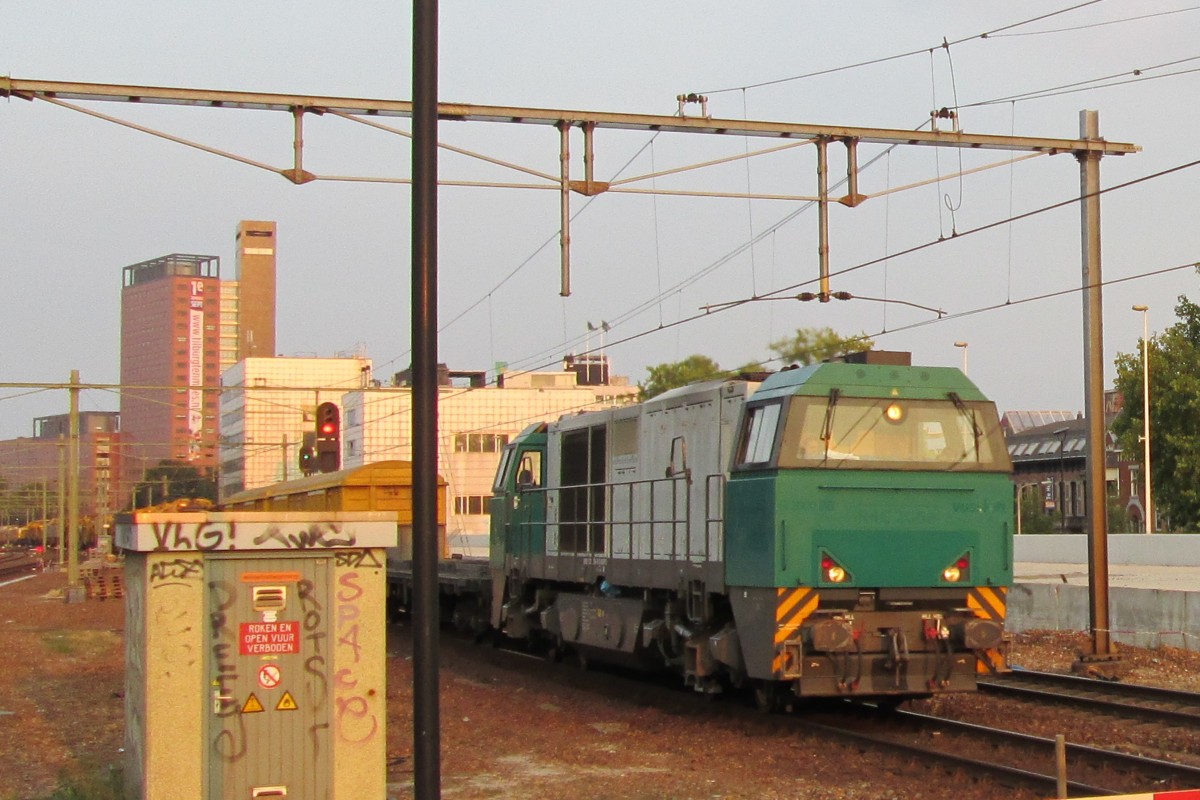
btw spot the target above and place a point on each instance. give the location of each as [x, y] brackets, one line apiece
[1157, 549]
[1143, 617]
[1139, 617]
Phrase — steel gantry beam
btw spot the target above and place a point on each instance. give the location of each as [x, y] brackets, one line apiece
[467, 112]
[364, 109]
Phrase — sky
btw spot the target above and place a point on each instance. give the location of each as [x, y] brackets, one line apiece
[80, 198]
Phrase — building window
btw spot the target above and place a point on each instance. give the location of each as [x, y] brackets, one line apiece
[480, 442]
[471, 504]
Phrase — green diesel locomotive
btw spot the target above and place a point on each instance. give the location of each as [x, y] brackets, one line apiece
[842, 529]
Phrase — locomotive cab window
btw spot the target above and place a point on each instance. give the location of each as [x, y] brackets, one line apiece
[758, 434]
[504, 471]
[529, 471]
[888, 433]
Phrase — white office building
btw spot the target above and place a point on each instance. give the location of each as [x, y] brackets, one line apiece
[267, 405]
[476, 421]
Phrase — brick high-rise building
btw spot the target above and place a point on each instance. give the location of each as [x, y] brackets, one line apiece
[255, 274]
[181, 327]
[170, 360]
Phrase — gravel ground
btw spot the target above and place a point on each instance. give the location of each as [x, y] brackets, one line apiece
[521, 728]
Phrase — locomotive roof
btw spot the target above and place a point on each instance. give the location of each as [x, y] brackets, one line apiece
[870, 380]
[680, 393]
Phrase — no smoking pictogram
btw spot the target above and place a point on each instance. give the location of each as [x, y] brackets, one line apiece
[269, 676]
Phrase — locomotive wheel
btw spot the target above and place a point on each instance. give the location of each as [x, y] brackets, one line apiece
[768, 697]
[886, 705]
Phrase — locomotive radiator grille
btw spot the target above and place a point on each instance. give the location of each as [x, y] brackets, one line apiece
[793, 606]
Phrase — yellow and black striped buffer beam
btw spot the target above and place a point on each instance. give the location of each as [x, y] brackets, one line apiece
[988, 602]
[792, 607]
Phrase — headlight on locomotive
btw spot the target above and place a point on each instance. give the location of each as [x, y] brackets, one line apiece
[959, 571]
[832, 571]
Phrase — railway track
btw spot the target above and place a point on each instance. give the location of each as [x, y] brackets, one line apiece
[15, 564]
[1009, 756]
[1146, 703]
[968, 752]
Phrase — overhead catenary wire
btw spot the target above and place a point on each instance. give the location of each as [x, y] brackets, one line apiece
[1033, 95]
[1102, 24]
[719, 308]
[897, 56]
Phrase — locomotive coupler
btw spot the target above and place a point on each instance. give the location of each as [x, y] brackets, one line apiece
[897, 658]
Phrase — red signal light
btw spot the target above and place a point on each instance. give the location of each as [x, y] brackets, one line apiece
[328, 437]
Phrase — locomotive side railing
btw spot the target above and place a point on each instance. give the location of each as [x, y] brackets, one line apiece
[668, 520]
[650, 518]
[714, 515]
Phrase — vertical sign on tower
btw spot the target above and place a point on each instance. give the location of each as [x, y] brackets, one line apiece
[195, 414]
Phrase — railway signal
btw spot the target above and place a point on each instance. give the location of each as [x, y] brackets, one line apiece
[329, 438]
[308, 453]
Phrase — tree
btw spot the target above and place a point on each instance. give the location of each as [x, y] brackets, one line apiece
[1118, 518]
[664, 377]
[806, 346]
[1174, 408]
[1034, 518]
[180, 480]
[813, 345]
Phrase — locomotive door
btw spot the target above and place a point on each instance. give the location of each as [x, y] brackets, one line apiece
[527, 528]
[266, 645]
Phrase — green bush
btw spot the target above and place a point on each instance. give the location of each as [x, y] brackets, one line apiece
[90, 783]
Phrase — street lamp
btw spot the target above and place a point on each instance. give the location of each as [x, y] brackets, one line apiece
[1061, 433]
[963, 345]
[1146, 411]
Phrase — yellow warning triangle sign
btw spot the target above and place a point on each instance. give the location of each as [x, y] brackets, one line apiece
[252, 706]
[286, 703]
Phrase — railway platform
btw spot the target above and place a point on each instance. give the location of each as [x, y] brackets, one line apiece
[1154, 587]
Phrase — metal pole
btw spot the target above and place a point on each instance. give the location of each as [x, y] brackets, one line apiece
[1020, 494]
[426, 724]
[1093, 337]
[823, 217]
[1061, 433]
[74, 592]
[1149, 506]
[45, 520]
[564, 202]
[62, 500]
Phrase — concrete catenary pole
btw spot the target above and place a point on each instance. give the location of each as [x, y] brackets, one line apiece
[74, 589]
[1148, 505]
[1093, 342]
[62, 500]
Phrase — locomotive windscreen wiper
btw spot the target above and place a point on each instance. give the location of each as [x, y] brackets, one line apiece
[969, 415]
[827, 425]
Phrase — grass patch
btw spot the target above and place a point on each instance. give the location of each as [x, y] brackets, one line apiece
[90, 783]
[80, 643]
